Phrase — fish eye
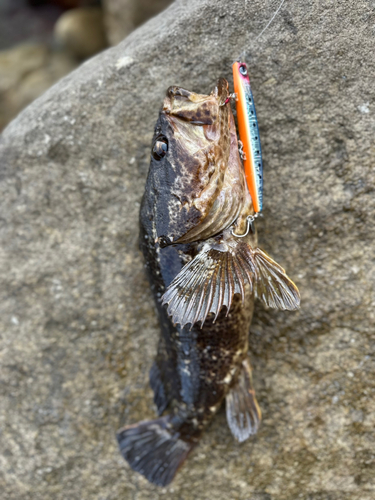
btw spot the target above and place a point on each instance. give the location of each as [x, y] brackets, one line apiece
[160, 148]
[243, 70]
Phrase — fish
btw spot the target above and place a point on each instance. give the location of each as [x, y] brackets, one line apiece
[205, 270]
[249, 134]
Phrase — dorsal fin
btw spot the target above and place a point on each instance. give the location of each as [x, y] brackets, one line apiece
[210, 280]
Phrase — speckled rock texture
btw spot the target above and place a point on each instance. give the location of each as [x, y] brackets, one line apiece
[78, 325]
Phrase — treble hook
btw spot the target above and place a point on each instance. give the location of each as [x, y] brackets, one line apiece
[230, 96]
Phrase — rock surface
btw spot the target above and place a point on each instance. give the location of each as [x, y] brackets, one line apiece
[78, 326]
[122, 16]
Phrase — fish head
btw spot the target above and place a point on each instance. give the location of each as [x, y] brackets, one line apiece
[189, 162]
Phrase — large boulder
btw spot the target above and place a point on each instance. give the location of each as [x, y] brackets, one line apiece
[78, 324]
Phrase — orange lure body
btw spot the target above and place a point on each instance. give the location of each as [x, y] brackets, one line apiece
[249, 134]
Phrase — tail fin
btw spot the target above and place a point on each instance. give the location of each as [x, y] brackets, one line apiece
[153, 450]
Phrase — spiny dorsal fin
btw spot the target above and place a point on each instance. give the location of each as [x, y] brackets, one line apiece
[211, 279]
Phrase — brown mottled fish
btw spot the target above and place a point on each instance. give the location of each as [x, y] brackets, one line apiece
[205, 270]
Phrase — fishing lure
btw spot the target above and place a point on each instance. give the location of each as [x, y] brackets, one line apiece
[249, 134]
[248, 128]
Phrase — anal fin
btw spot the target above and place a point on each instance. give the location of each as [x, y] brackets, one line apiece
[243, 412]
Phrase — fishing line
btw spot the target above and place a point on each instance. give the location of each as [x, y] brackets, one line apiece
[270, 21]
[243, 53]
[249, 132]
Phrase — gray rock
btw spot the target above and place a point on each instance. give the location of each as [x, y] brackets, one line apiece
[122, 16]
[78, 326]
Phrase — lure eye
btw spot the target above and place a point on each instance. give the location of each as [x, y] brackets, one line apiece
[243, 70]
[160, 148]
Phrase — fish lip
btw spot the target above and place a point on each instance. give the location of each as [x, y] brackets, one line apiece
[167, 105]
[172, 92]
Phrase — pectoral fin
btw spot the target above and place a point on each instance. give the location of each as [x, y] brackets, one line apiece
[243, 412]
[273, 287]
[211, 279]
[206, 284]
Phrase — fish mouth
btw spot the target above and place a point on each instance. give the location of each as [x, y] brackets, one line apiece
[195, 109]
